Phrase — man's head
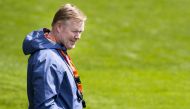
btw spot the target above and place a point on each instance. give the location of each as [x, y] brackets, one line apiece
[67, 25]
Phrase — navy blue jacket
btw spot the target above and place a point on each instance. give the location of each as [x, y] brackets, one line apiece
[50, 82]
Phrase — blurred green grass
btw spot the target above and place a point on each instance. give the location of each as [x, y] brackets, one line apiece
[133, 54]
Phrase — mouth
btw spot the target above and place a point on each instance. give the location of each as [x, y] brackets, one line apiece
[73, 42]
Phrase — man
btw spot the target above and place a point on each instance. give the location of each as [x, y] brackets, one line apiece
[52, 80]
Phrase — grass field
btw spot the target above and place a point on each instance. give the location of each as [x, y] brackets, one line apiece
[134, 54]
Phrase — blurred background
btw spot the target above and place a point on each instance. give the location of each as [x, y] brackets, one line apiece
[134, 54]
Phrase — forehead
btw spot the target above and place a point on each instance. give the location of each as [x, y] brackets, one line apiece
[75, 24]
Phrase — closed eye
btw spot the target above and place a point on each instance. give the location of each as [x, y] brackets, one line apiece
[77, 32]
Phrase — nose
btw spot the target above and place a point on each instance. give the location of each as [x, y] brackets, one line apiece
[77, 35]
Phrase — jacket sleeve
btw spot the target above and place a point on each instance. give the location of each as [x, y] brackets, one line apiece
[46, 81]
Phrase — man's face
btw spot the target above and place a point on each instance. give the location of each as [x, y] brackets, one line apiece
[70, 33]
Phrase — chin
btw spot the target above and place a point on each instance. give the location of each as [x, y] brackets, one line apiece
[71, 47]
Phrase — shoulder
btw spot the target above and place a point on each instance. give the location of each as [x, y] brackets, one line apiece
[46, 62]
[46, 56]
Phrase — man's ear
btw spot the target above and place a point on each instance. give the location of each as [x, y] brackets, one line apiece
[58, 26]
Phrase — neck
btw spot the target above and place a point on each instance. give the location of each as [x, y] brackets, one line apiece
[51, 36]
